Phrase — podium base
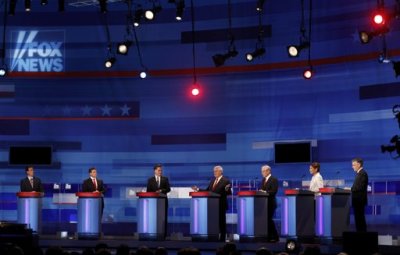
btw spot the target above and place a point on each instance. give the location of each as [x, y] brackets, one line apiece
[248, 239]
[88, 236]
[151, 237]
[202, 238]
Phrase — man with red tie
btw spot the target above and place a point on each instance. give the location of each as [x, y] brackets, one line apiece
[220, 185]
[269, 184]
[93, 184]
[30, 183]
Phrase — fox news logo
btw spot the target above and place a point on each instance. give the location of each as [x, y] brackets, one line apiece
[37, 51]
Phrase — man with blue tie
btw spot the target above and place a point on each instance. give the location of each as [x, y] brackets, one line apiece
[269, 185]
[159, 183]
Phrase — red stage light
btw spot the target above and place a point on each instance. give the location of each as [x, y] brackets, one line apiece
[379, 19]
[307, 74]
[195, 91]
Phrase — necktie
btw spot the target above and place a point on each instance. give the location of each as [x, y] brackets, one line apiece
[31, 181]
[158, 181]
[215, 184]
[94, 183]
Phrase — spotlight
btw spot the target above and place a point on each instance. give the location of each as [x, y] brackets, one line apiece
[255, 54]
[292, 246]
[3, 71]
[151, 13]
[396, 67]
[138, 17]
[365, 37]
[219, 59]
[11, 10]
[260, 5]
[294, 50]
[380, 17]
[123, 47]
[195, 91]
[44, 2]
[61, 5]
[110, 62]
[308, 73]
[103, 6]
[180, 7]
[143, 74]
[27, 5]
[391, 148]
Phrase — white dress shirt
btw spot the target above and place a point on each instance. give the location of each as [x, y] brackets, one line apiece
[316, 182]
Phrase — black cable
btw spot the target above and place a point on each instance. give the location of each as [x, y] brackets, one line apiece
[231, 37]
[302, 26]
[3, 50]
[309, 34]
[138, 48]
[193, 43]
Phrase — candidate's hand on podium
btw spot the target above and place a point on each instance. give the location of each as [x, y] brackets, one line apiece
[195, 188]
[227, 187]
[262, 190]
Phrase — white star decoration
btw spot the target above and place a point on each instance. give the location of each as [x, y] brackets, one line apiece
[86, 110]
[125, 110]
[106, 110]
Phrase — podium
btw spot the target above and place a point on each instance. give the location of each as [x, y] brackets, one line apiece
[204, 216]
[252, 208]
[89, 214]
[151, 215]
[30, 210]
[298, 214]
[332, 212]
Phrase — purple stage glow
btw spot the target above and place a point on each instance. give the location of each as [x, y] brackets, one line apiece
[243, 216]
[286, 216]
[195, 215]
[320, 215]
[145, 214]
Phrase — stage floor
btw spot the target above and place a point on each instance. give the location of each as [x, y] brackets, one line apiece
[327, 247]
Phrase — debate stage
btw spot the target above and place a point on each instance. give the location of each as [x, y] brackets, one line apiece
[327, 247]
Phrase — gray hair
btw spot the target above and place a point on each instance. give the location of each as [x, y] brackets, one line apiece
[266, 167]
[219, 168]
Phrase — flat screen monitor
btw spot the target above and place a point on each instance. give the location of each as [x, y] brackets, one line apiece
[30, 155]
[295, 152]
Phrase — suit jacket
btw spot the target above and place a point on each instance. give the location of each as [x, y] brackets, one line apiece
[88, 186]
[271, 187]
[359, 189]
[153, 187]
[220, 189]
[26, 186]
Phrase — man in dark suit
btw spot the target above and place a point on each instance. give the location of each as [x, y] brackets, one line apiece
[160, 183]
[222, 186]
[30, 182]
[93, 184]
[359, 194]
[269, 184]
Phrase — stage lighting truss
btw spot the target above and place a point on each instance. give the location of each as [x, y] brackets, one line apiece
[150, 14]
[380, 20]
[137, 18]
[3, 70]
[123, 47]
[396, 67]
[11, 10]
[308, 73]
[294, 50]
[260, 5]
[180, 7]
[27, 5]
[219, 59]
